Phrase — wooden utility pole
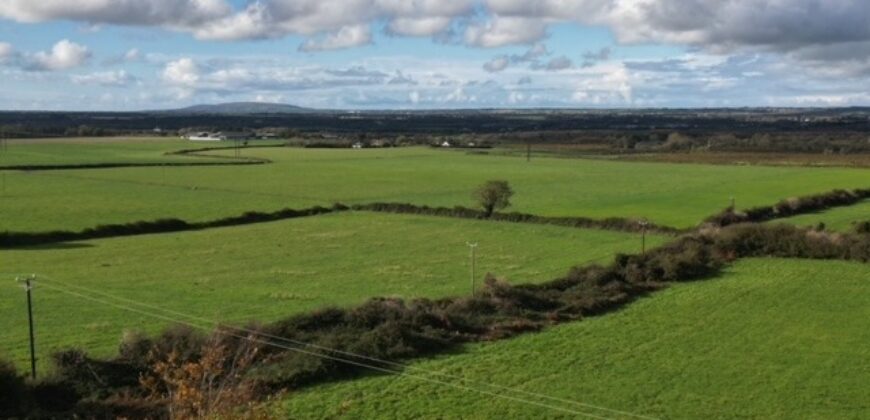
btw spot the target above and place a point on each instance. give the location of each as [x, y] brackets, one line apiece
[28, 287]
[473, 256]
[528, 152]
[643, 226]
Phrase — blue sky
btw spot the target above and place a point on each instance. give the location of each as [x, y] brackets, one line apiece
[434, 54]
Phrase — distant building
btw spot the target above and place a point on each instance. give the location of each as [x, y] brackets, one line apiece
[202, 136]
[446, 144]
[219, 136]
[357, 145]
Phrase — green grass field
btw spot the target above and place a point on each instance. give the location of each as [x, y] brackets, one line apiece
[67, 151]
[840, 219]
[767, 339]
[273, 270]
[672, 194]
[770, 339]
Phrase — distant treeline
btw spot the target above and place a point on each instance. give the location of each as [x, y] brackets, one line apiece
[344, 343]
[694, 140]
[448, 122]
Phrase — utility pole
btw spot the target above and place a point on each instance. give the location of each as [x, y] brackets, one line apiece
[528, 151]
[28, 286]
[732, 202]
[643, 226]
[472, 247]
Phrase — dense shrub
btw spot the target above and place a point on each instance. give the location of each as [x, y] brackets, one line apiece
[13, 392]
[336, 343]
[19, 239]
[612, 223]
[789, 207]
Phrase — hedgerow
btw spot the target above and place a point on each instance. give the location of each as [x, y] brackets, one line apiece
[789, 207]
[337, 343]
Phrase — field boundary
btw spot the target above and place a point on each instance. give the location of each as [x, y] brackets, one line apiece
[790, 207]
[336, 344]
[197, 153]
[25, 239]
[784, 208]
[611, 223]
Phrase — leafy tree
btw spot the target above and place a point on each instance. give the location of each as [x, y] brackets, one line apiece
[493, 195]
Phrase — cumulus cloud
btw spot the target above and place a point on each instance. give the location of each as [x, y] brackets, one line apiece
[183, 72]
[497, 64]
[110, 78]
[401, 79]
[559, 63]
[714, 25]
[356, 71]
[6, 51]
[500, 31]
[533, 56]
[346, 37]
[592, 57]
[177, 14]
[63, 55]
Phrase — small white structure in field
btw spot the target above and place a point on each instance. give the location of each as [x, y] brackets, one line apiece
[203, 136]
[445, 144]
[357, 145]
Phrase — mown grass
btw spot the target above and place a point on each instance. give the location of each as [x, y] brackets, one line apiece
[671, 194]
[769, 339]
[272, 270]
[77, 151]
[840, 219]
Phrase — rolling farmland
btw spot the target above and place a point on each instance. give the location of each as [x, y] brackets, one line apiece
[798, 325]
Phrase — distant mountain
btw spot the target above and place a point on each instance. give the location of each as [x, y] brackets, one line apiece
[240, 108]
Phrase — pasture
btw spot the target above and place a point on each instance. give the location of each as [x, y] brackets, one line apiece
[272, 270]
[840, 219]
[769, 339]
[95, 151]
[679, 195]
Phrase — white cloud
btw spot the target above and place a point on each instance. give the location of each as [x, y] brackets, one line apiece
[497, 64]
[559, 63]
[346, 37]
[175, 14]
[500, 31]
[63, 55]
[108, 78]
[133, 54]
[6, 51]
[425, 26]
[183, 72]
[801, 27]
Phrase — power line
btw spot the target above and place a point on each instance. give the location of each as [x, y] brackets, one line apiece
[351, 354]
[337, 359]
